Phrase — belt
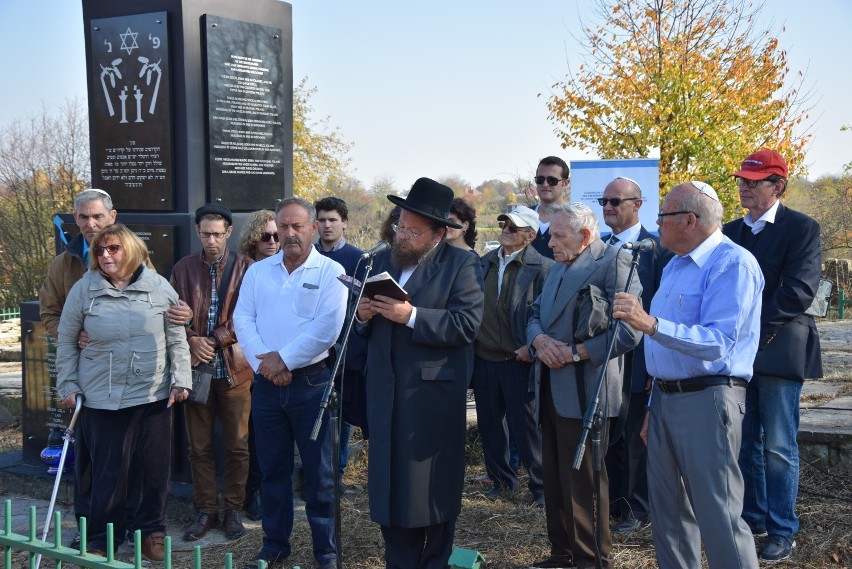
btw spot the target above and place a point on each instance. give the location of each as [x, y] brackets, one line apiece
[309, 370]
[698, 383]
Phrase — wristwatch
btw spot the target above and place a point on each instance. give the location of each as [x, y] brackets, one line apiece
[574, 355]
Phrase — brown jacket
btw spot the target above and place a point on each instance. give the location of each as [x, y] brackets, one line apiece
[66, 269]
[191, 279]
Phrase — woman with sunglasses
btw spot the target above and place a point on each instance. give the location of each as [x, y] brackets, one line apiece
[134, 367]
[465, 238]
[259, 238]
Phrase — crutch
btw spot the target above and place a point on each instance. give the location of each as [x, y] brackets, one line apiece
[69, 433]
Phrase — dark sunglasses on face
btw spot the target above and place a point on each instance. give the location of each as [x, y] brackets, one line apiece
[507, 226]
[551, 180]
[265, 237]
[111, 249]
[614, 201]
[752, 184]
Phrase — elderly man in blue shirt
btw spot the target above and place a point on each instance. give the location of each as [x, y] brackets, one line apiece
[702, 332]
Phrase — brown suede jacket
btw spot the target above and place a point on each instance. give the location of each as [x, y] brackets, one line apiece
[191, 280]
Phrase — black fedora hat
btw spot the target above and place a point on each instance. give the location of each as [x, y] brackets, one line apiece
[429, 199]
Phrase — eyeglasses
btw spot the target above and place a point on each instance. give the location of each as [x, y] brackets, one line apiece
[614, 201]
[752, 184]
[100, 251]
[506, 226]
[660, 216]
[407, 233]
[209, 234]
[266, 237]
[551, 180]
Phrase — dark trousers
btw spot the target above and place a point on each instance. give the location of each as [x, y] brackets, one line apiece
[568, 493]
[253, 478]
[113, 437]
[626, 460]
[504, 405]
[419, 548]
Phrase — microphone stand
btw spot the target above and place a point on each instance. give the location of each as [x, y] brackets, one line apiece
[593, 419]
[330, 401]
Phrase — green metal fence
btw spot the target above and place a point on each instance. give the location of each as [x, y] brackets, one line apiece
[54, 550]
[9, 313]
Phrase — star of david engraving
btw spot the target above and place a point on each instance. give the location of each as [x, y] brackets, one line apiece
[132, 35]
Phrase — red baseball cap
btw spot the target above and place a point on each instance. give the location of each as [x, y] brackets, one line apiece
[762, 164]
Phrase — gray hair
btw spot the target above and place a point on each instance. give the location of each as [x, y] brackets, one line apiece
[580, 216]
[91, 195]
[309, 207]
[708, 210]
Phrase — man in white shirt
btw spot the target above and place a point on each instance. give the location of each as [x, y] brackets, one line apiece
[290, 312]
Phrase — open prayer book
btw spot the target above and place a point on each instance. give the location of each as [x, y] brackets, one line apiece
[382, 284]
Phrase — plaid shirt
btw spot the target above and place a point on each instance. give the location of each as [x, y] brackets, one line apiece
[213, 319]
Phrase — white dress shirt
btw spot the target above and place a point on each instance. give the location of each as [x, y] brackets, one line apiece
[298, 314]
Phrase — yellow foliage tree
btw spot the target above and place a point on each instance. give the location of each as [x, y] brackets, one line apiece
[695, 79]
[319, 152]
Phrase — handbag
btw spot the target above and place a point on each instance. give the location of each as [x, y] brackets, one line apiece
[202, 375]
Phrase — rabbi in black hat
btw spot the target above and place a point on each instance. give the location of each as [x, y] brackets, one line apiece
[419, 363]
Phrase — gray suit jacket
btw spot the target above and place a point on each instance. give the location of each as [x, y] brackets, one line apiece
[553, 314]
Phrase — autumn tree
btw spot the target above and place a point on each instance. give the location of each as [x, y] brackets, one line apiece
[320, 155]
[697, 79]
[44, 163]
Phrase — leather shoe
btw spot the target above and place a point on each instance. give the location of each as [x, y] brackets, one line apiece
[330, 563]
[493, 492]
[253, 505]
[75, 541]
[272, 561]
[234, 528]
[554, 562]
[153, 546]
[629, 524]
[203, 523]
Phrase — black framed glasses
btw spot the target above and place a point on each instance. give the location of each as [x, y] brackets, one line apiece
[100, 251]
[614, 201]
[265, 237]
[660, 216]
[551, 180]
[752, 184]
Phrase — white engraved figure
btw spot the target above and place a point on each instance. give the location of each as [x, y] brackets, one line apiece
[123, 97]
[137, 94]
[112, 72]
[155, 40]
[147, 69]
[132, 36]
[109, 45]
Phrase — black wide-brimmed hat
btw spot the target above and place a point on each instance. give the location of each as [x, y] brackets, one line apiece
[429, 199]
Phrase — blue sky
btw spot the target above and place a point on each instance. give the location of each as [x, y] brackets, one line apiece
[439, 88]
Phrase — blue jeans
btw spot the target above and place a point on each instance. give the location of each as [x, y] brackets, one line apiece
[283, 416]
[769, 457]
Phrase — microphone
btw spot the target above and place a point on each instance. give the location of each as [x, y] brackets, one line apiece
[644, 245]
[376, 249]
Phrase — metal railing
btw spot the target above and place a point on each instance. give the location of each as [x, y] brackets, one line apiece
[54, 550]
[9, 313]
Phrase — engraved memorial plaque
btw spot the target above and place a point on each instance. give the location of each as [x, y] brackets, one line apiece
[131, 111]
[246, 107]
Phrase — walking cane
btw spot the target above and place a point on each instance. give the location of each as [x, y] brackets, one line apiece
[69, 432]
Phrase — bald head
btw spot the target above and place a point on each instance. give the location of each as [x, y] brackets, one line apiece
[690, 214]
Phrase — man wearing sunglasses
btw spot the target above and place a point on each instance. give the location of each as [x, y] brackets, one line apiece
[209, 282]
[505, 397]
[627, 453]
[551, 183]
[786, 245]
[333, 219]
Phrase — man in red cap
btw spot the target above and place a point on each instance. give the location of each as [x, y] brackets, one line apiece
[786, 245]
